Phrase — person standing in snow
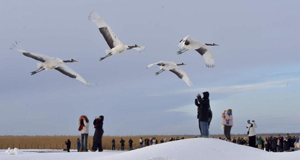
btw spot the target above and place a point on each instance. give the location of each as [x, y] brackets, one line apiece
[251, 133]
[204, 115]
[68, 143]
[199, 108]
[122, 144]
[141, 142]
[113, 144]
[97, 139]
[130, 144]
[83, 124]
[78, 144]
[228, 123]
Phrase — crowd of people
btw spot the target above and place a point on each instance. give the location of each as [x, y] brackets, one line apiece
[204, 116]
[270, 143]
[143, 142]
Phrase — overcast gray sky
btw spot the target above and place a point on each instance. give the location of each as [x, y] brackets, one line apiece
[257, 72]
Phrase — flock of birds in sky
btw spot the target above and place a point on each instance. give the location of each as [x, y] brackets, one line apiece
[117, 47]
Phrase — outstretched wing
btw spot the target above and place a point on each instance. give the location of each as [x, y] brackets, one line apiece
[207, 56]
[64, 69]
[182, 75]
[160, 63]
[109, 36]
[39, 57]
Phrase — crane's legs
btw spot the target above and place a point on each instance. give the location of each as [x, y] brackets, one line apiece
[109, 54]
[157, 73]
[37, 71]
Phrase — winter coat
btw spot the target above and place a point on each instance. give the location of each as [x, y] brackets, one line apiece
[259, 141]
[199, 107]
[251, 129]
[204, 115]
[98, 123]
[85, 129]
[122, 142]
[210, 115]
[68, 143]
[226, 118]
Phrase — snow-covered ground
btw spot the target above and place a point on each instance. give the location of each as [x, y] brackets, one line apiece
[188, 149]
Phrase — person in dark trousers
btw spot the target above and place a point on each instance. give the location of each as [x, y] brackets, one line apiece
[68, 143]
[78, 144]
[228, 123]
[204, 113]
[199, 108]
[130, 144]
[251, 133]
[122, 144]
[97, 139]
[113, 144]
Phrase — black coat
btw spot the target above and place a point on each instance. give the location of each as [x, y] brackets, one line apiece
[205, 107]
[199, 107]
[68, 143]
[98, 131]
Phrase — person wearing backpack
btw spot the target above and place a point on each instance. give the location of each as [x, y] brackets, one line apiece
[251, 133]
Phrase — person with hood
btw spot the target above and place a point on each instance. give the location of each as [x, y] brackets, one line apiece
[251, 133]
[68, 143]
[97, 139]
[228, 123]
[204, 115]
[83, 124]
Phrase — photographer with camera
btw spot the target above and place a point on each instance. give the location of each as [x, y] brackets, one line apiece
[228, 123]
[97, 139]
[251, 133]
[83, 124]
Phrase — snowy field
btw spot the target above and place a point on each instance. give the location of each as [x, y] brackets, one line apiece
[188, 149]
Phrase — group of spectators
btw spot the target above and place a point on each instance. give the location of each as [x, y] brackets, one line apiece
[271, 143]
[204, 115]
[142, 142]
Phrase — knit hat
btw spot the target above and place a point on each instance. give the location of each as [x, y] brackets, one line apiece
[248, 121]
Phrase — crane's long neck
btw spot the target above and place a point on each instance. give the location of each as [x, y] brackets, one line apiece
[68, 61]
[211, 44]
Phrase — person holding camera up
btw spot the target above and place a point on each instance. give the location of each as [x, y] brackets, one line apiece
[228, 123]
[203, 113]
[83, 124]
[251, 133]
[97, 139]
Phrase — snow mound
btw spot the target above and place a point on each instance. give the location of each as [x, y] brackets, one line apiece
[199, 148]
[160, 158]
